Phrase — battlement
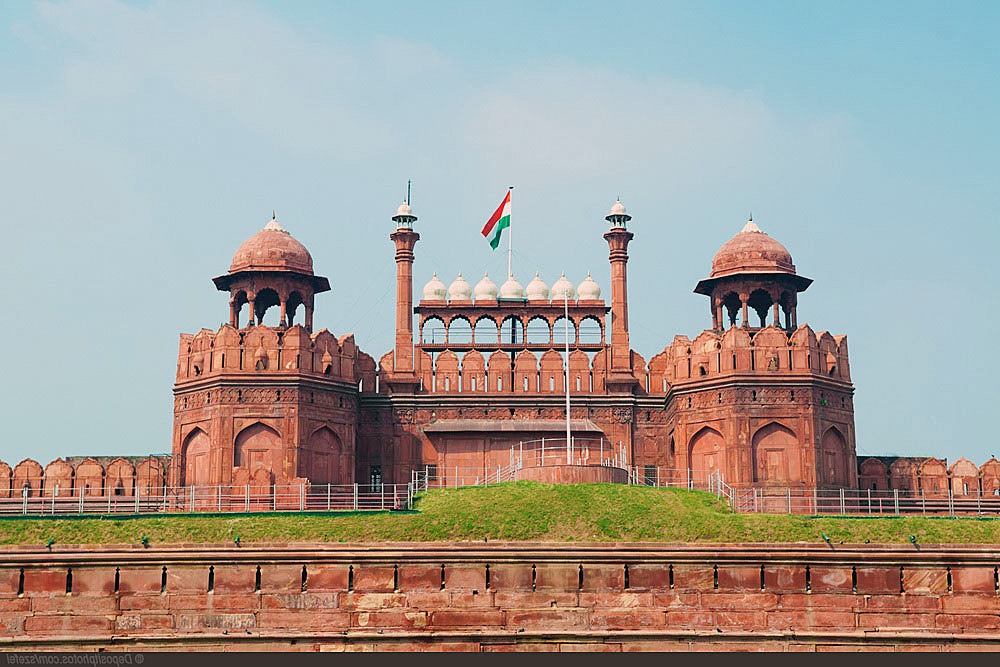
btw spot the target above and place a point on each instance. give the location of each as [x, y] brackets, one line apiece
[769, 352]
[263, 349]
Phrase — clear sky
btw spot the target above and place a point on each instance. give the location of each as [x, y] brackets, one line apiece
[141, 143]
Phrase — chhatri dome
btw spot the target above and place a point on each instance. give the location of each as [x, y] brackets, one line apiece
[589, 290]
[537, 290]
[751, 251]
[511, 289]
[434, 290]
[562, 289]
[272, 249]
[486, 290]
[460, 290]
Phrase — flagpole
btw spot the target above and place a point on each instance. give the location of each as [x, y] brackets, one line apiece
[510, 231]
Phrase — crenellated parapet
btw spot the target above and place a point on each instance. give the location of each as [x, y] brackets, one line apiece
[91, 477]
[769, 352]
[262, 349]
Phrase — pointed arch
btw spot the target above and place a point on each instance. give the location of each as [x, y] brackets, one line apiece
[775, 453]
[705, 452]
[322, 460]
[835, 457]
[196, 455]
[258, 446]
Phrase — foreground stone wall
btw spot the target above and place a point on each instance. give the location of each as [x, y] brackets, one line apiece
[490, 597]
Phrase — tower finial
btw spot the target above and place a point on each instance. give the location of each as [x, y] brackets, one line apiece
[408, 192]
[751, 216]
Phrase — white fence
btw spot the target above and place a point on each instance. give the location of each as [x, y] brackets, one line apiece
[867, 502]
[220, 498]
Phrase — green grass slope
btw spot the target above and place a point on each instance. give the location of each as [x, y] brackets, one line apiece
[522, 511]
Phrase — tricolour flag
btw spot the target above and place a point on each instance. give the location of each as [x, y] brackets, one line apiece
[499, 221]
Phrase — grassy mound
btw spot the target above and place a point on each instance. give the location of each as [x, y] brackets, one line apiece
[521, 511]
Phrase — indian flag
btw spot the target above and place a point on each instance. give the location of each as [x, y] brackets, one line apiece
[499, 221]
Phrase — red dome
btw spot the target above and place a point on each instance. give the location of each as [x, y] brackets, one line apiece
[272, 249]
[751, 251]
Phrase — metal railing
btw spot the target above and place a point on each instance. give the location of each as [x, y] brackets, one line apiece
[218, 498]
[869, 502]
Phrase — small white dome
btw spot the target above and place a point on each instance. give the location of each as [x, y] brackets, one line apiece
[618, 208]
[485, 289]
[589, 290]
[511, 289]
[537, 290]
[562, 289]
[434, 290]
[404, 209]
[460, 290]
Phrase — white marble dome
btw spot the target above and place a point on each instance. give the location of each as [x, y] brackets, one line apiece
[404, 209]
[537, 290]
[618, 208]
[434, 290]
[460, 290]
[589, 290]
[511, 289]
[562, 289]
[486, 290]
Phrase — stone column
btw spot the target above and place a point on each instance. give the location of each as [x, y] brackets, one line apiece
[777, 314]
[405, 239]
[743, 301]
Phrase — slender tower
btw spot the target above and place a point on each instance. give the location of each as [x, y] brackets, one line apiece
[620, 377]
[403, 379]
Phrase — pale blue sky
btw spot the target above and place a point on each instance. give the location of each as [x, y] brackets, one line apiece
[141, 143]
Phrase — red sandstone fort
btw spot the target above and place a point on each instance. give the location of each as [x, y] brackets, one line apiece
[758, 397]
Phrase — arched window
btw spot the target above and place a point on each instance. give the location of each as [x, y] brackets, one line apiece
[511, 331]
[432, 331]
[485, 332]
[538, 332]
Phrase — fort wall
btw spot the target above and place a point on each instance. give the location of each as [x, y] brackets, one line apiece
[501, 597]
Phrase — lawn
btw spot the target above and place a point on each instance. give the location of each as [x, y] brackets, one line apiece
[521, 511]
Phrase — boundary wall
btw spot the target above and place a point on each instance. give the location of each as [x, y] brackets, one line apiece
[501, 597]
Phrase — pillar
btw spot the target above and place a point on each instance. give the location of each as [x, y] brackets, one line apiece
[717, 317]
[282, 321]
[403, 378]
[743, 305]
[253, 311]
[309, 315]
[618, 240]
[777, 314]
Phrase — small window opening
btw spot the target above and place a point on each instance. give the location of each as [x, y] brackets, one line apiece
[211, 579]
[627, 585]
[163, 579]
[533, 580]
[350, 578]
[69, 580]
[305, 577]
[715, 576]
[117, 579]
[256, 581]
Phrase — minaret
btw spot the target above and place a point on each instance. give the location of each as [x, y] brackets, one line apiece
[403, 379]
[620, 377]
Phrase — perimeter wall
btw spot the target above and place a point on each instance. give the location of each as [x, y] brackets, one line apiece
[501, 597]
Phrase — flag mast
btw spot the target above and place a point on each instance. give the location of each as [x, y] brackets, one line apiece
[510, 232]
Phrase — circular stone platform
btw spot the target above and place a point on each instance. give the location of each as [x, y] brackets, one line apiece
[573, 474]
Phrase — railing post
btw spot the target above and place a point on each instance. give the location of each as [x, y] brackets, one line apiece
[382, 489]
[24, 501]
[302, 497]
[219, 497]
[869, 501]
[815, 501]
[109, 502]
[895, 500]
[788, 497]
[756, 507]
[194, 490]
[923, 501]
[657, 476]
[951, 503]
[842, 508]
[328, 492]
[689, 478]
[520, 454]
[247, 503]
[355, 496]
[979, 507]
[274, 492]
[81, 500]
[543, 453]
